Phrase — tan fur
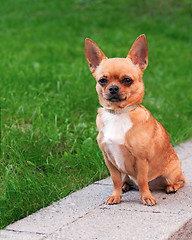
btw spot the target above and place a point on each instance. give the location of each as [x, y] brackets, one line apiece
[146, 151]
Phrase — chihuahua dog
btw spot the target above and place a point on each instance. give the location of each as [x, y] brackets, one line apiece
[134, 144]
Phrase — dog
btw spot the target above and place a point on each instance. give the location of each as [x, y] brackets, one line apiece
[134, 144]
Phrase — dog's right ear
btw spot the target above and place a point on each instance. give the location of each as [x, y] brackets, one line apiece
[139, 52]
[93, 54]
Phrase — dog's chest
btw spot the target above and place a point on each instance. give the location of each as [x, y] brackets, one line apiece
[114, 130]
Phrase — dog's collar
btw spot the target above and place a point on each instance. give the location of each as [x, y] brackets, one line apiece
[128, 108]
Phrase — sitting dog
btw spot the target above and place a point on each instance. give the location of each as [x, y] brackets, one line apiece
[133, 143]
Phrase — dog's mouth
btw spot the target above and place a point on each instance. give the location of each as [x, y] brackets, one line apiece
[116, 99]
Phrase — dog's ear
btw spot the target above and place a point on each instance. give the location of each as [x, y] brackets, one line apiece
[93, 54]
[139, 52]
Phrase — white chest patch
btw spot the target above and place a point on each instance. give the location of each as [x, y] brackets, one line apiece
[114, 130]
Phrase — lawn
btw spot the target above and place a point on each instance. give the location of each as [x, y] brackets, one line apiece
[48, 97]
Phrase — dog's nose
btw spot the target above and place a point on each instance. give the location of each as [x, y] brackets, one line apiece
[114, 89]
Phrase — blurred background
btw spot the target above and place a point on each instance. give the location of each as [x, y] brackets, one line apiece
[48, 97]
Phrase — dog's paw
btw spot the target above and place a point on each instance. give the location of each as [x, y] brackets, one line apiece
[113, 200]
[148, 200]
[126, 187]
[171, 189]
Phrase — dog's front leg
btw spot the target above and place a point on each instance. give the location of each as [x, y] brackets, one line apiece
[142, 181]
[117, 183]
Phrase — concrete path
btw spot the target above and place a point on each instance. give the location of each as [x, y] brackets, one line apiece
[83, 214]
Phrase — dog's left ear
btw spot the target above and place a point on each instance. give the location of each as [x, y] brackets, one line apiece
[139, 52]
[93, 54]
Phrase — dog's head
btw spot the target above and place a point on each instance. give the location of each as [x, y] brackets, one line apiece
[119, 80]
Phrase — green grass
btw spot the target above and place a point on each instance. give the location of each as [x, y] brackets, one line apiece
[48, 97]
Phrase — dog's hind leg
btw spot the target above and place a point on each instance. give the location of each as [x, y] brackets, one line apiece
[127, 183]
[174, 178]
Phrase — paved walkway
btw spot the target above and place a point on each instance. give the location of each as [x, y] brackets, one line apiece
[83, 214]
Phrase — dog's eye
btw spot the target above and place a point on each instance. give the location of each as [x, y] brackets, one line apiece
[127, 81]
[103, 81]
